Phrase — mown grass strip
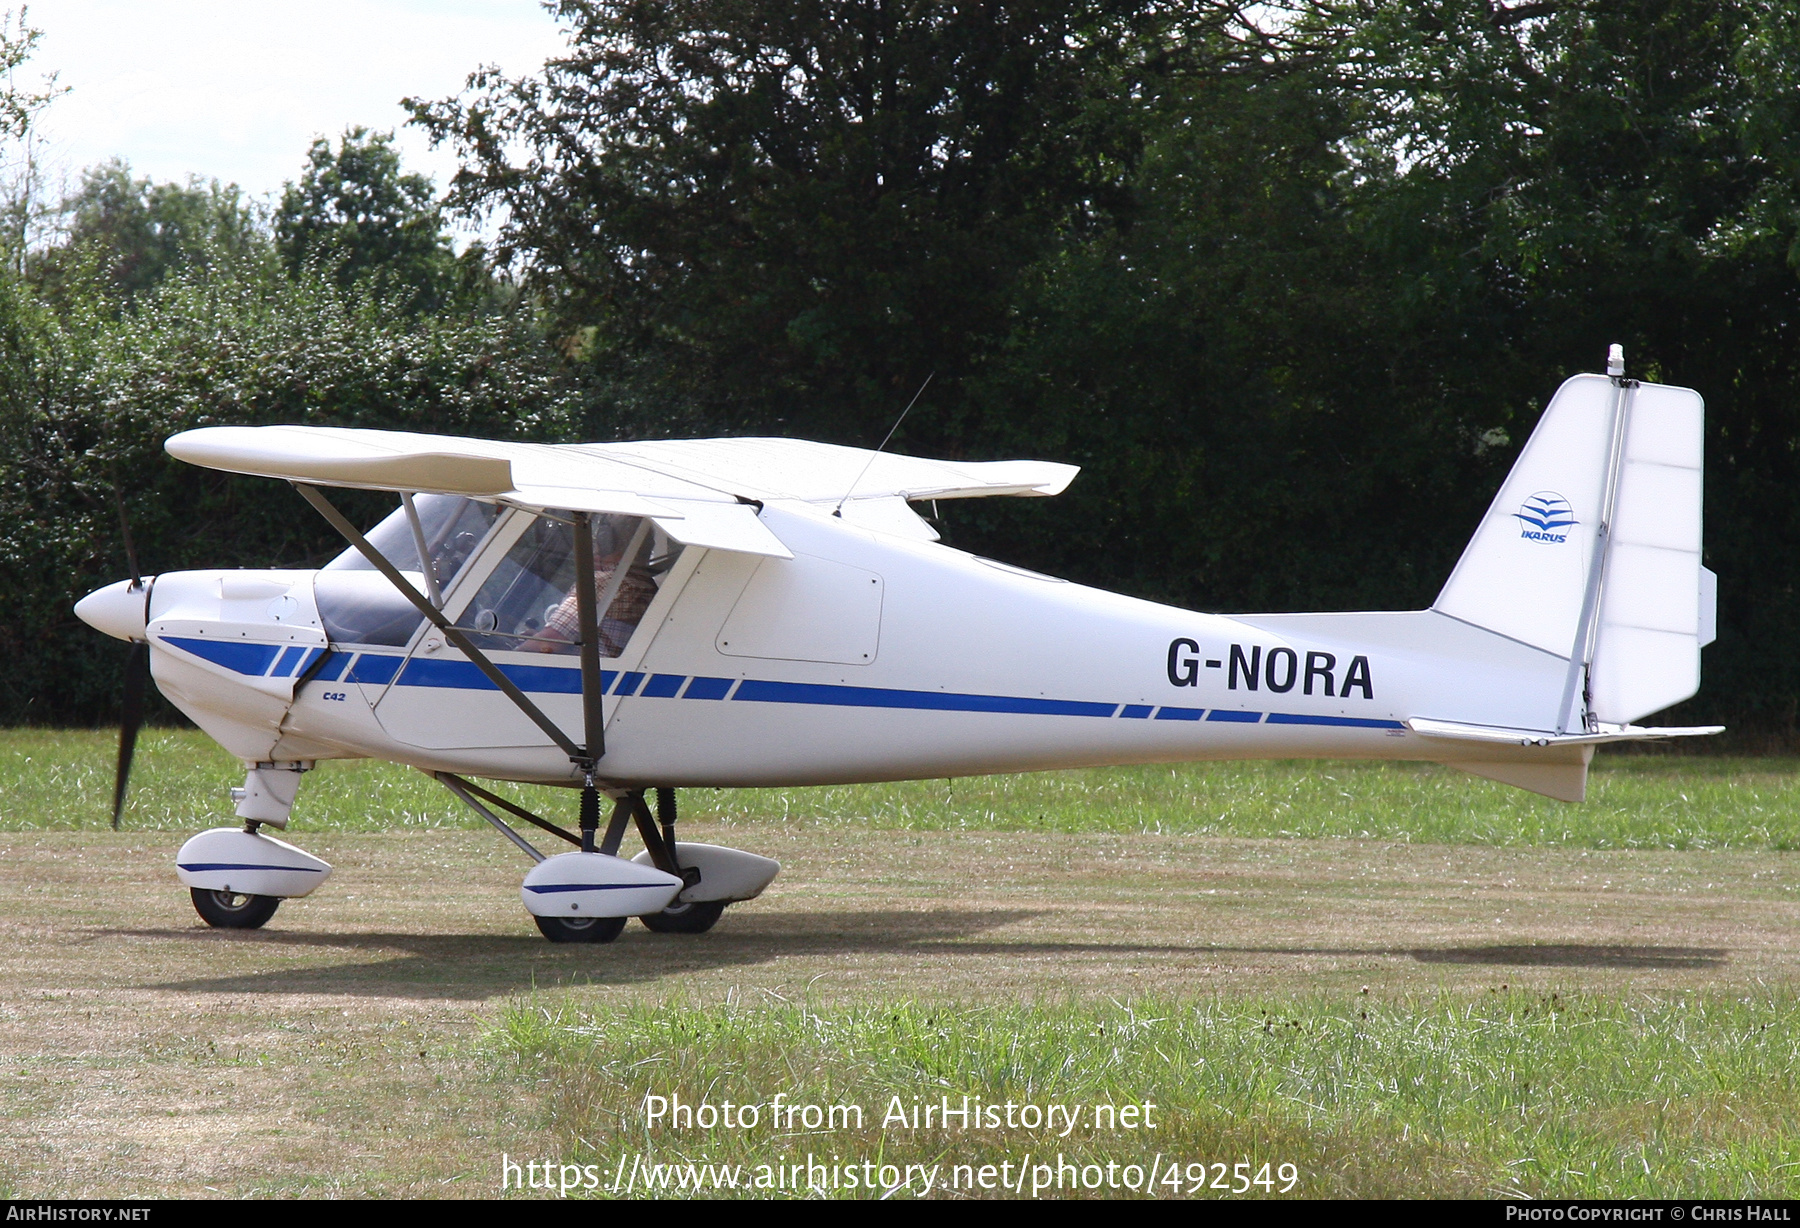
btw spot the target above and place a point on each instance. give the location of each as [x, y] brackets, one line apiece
[59, 779]
[1504, 1093]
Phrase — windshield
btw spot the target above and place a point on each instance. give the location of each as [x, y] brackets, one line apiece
[453, 526]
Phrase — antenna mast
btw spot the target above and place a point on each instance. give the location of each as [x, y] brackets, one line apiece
[838, 511]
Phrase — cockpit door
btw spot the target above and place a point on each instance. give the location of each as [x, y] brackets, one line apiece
[518, 607]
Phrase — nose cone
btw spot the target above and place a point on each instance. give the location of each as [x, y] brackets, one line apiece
[117, 609]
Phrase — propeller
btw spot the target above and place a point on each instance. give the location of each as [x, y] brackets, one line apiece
[137, 678]
[137, 684]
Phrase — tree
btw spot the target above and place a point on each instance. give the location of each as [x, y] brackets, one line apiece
[128, 235]
[356, 212]
[234, 341]
[1291, 296]
[22, 206]
[1552, 177]
[757, 214]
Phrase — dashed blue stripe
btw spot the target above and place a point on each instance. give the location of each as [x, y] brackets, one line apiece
[708, 688]
[663, 686]
[287, 661]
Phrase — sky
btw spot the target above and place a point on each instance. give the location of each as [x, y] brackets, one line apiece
[237, 90]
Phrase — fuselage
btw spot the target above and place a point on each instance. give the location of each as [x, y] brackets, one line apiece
[868, 656]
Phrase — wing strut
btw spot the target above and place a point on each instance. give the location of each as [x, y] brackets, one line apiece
[593, 720]
[593, 716]
[507, 687]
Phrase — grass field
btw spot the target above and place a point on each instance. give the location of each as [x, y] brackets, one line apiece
[1446, 1095]
[1397, 979]
[62, 780]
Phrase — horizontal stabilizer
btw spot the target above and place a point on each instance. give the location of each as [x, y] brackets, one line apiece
[1555, 766]
[1533, 737]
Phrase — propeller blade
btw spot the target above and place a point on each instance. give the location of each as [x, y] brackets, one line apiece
[137, 683]
[125, 532]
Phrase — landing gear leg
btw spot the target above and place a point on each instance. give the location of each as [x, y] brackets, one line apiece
[590, 815]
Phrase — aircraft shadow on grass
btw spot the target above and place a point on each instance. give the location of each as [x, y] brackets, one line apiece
[479, 966]
[473, 966]
[1578, 955]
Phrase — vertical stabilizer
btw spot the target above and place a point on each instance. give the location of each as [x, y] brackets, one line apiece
[1591, 550]
[1524, 574]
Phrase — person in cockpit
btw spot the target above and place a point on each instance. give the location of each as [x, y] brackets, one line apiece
[562, 626]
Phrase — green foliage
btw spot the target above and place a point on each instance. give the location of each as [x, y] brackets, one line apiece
[1291, 295]
[233, 340]
[782, 218]
[356, 213]
[1558, 177]
[1265, 417]
[126, 236]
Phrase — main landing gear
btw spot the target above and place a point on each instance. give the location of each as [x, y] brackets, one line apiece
[588, 895]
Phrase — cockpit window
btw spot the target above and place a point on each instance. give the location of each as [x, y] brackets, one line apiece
[359, 606]
[528, 604]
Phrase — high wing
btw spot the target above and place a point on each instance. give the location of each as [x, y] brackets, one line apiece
[825, 473]
[697, 490]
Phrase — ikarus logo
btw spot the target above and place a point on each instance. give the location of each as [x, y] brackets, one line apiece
[1546, 517]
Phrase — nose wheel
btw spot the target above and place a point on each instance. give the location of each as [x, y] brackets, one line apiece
[234, 910]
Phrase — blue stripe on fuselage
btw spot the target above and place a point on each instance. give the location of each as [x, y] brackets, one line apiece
[240, 656]
[1354, 722]
[934, 701]
[379, 668]
[464, 676]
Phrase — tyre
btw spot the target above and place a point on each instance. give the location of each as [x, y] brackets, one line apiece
[233, 910]
[685, 918]
[580, 929]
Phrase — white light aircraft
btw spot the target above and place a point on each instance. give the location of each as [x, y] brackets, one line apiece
[630, 618]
